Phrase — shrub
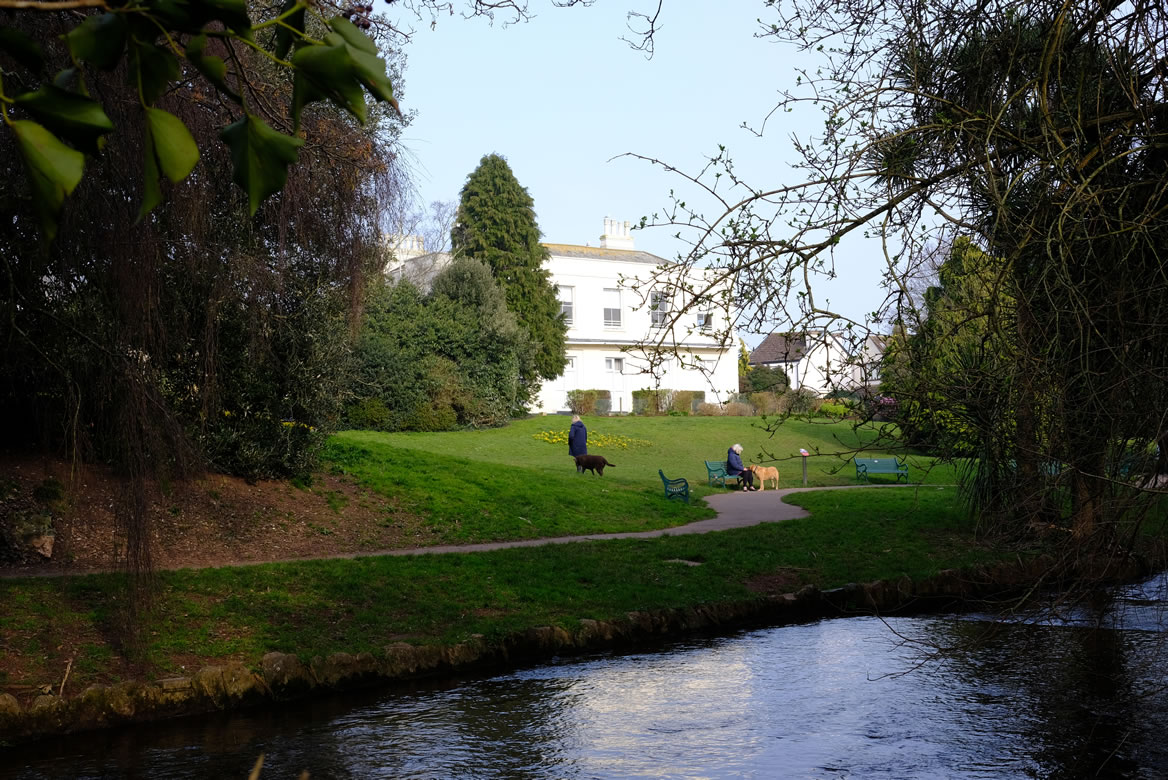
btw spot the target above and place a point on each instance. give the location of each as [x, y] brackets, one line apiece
[710, 410]
[429, 418]
[764, 403]
[830, 408]
[884, 409]
[739, 409]
[682, 401]
[369, 414]
[256, 446]
[767, 379]
[603, 401]
[582, 401]
[799, 401]
[644, 401]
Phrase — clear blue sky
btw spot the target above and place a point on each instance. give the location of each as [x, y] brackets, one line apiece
[561, 95]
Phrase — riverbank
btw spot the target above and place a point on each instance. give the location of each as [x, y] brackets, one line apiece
[282, 677]
[72, 653]
[243, 636]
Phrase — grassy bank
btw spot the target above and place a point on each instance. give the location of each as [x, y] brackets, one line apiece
[642, 445]
[502, 484]
[320, 607]
[519, 483]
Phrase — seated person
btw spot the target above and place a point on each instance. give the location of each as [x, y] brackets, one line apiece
[735, 468]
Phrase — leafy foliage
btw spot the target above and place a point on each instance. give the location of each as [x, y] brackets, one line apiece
[164, 330]
[439, 361]
[767, 379]
[1036, 130]
[496, 224]
[67, 123]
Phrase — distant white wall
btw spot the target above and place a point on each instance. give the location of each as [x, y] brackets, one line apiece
[595, 340]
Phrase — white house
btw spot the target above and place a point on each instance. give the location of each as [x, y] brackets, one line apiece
[615, 298]
[823, 362]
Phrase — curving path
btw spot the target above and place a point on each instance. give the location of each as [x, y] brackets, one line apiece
[735, 508]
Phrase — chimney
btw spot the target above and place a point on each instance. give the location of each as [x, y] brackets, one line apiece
[406, 247]
[616, 235]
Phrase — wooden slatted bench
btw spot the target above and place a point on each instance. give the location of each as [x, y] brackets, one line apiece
[865, 467]
[716, 472]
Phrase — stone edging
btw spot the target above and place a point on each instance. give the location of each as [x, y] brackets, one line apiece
[283, 677]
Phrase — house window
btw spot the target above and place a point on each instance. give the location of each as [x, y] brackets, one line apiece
[612, 308]
[567, 303]
[705, 320]
[616, 365]
[659, 308]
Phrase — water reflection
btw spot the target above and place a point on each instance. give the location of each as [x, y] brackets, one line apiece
[835, 699]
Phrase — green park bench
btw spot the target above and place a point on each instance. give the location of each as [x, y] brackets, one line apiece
[865, 467]
[675, 488]
[716, 472]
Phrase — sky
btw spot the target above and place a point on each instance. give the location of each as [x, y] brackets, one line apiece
[562, 97]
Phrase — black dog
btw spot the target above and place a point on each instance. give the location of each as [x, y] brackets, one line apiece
[593, 463]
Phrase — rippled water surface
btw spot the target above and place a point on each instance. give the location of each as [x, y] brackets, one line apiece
[847, 698]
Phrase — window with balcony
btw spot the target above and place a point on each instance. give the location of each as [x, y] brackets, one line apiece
[567, 297]
[612, 308]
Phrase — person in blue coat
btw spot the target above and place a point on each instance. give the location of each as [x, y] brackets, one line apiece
[577, 440]
[735, 468]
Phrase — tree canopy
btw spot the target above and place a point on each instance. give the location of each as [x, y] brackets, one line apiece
[1038, 130]
[438, 361]
[496, 224]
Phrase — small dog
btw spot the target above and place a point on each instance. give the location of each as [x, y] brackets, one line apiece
[763, 473]
[593, 463]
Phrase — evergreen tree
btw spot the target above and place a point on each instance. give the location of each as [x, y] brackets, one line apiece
[496, 224]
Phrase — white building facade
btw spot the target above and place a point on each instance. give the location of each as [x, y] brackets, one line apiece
[615, 301]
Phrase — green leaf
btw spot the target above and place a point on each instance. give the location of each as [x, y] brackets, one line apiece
[303, 93]
[156, 68]
[191, 16]
[285, 37]
[260, 156]
[368, 67]
[54, 170]
[170, 151]
[67, 78]
[99, 40]
[233, 14]
[328, 69]
[174, 146]
[337, 69]
[151, 189]
[213, 68]
[77, 119]
[22, 48]
[352, 35]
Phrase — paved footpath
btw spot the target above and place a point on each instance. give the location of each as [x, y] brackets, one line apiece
[735, 508]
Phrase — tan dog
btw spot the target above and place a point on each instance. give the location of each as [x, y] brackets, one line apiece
[763, 473]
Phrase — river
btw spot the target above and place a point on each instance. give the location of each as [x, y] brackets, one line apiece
[1076, 695]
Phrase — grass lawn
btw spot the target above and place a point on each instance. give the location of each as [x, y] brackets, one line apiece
[509, 483]
[518, 482]
[320, 607]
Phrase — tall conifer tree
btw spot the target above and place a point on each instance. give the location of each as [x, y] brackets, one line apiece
[496, 224]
